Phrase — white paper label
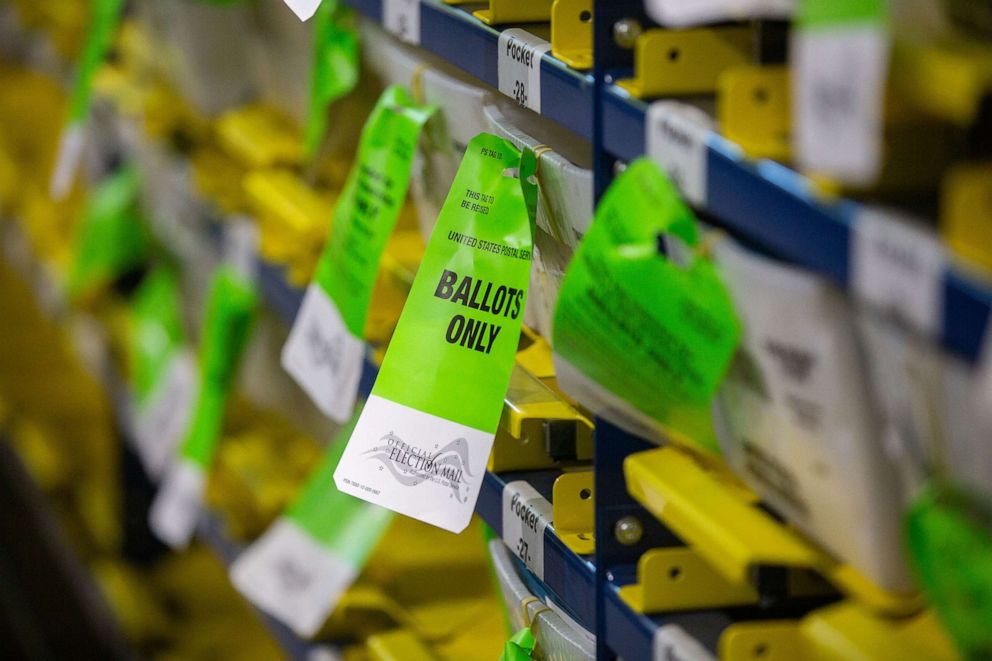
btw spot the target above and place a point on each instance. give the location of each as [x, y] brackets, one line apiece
[899, 269]
[526, 514]
[676, 137]
[70, 153]
[672, 643]
[839, 77]
[323, 357]
[289, 575]
[518, 66]
[681, 13]
[162, 419]
[415, 463]
[402, 18]
[303, 8]
[176, 510]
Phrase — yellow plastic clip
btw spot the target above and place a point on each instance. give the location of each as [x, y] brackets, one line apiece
[948, 79]
[767, 641]
[292, 217]
[573, 510]
[966, 212]
[677, 579]
[753, 107]
[847, 631]
[571, 32]
[501, 12]
[738, 539]
[537, 429]
[258, 136]
[399, 645]
[682, 62]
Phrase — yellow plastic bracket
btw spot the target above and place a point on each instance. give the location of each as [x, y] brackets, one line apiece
[737, 538]
[258, 136]
[753, 107]
[677, 579]
[966, 212]
[571, 32]
[762, 641]
[536, 358]
[292, 217]
[681, 62]
[398, 645]
[501, 12]
[573, 510]
[846, 631]
[948, 78]
[534, 421]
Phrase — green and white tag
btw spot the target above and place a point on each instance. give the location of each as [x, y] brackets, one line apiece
[111, 239]
[335, 68]
[106, 15]
[226, 327]
[641, 340]
[299, 569]
[421, 445]
[325, 349]
[163, 371]
[841, 51]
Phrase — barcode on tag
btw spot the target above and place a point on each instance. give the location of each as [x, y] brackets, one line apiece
[402, 18]
[898, 269]
[526, 514]
[519, 66]
[672, 643]
[676, 137]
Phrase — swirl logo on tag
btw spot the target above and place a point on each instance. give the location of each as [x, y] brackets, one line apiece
[325, 352]
[292, 575]
[411, 466]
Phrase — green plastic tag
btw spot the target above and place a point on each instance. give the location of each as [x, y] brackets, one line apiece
[423, 440]
[112, 238]
[641, 340]
[823, 13]
[157, 331]
[299, 569]
[105, 18]
[162, 369]
[949, 533]
[230, 307]
[370, 204]
[325, 350]
[520, 647]
[335, 68]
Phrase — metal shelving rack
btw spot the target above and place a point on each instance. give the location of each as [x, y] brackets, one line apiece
[768, 205]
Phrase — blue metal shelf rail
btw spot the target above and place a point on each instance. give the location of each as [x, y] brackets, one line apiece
[469, 44]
